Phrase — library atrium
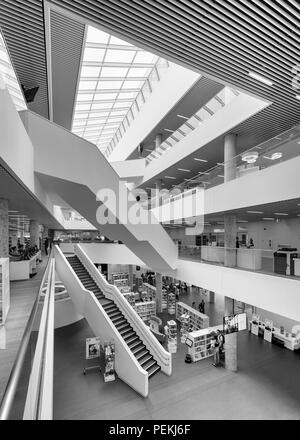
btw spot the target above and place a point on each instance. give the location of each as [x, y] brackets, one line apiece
[149, 210]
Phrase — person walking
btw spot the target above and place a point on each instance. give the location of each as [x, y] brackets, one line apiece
[216, 347]
[46, 245]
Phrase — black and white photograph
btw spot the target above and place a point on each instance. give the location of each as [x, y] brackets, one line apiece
[150, 214]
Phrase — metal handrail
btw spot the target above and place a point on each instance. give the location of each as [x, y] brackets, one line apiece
[13, 381]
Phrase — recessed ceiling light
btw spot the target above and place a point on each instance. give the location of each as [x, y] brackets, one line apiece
[243, 221]
[184, 170]
[279, 213]
[170, 131]
[183, 117]
[200, 160]
[250, 157]
[268, 219]
[254, 212]
[220, 164]
[169, 177]
[203, 174]
[12, 211]
[261, 78]
[298, 97]
[222, 177]
[149, 151]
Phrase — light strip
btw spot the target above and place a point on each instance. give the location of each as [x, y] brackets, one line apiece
[184, 170]
[280, 213]
[260, 78]
[200, 160]
[254, 212]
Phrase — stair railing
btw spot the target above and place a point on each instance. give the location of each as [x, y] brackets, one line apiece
[162, 357]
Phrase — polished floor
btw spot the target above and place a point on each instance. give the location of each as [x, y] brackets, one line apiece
[267, 385]
[22, 297]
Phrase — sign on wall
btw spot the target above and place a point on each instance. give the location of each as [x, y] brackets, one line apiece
[92, 348]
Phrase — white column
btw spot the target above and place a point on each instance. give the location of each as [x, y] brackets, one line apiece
[230, 157]
[34, 233]
[230, 225]
[158, 278]
[130, 271]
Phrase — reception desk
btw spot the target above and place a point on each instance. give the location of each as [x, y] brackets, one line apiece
[245, 258]
[213, 254]
[249, 259]
[297, 267]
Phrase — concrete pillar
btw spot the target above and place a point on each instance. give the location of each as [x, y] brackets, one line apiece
[158, 278]
[230, 348]
[4, 224]
[228, 306]
[212, 297]
[34, 231]
[229, 157]
[158, 187]
[130, 272]
[230, 234]
[230, 225]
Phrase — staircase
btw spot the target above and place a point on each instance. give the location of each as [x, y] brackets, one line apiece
[135, 344]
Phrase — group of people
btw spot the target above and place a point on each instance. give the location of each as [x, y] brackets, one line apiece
[201, 306]
[21, 252]
[217, 343]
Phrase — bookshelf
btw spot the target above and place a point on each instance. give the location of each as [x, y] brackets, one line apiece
[164, 300]
[201, 348]
[197, 320]
[120, 279]
[171, 304]
[145, 309]
[172, 336]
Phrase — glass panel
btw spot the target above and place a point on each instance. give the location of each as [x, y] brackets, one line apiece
[119, 56]
[90, 71]
[87, 85]
[91, 54]
[145, 58]
[109, 85]
[109, 72]
[94, 34]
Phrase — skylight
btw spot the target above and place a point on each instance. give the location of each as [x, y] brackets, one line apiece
[9, 79]
[112, 75]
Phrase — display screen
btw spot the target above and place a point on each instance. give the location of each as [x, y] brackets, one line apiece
[189, 342]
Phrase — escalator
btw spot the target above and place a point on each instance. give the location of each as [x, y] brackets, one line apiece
[134, 343]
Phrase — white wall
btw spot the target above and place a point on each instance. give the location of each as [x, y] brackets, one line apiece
[285, 232]
[130, 169]
[16, 150]
[273, 184]
[273, 293]
[174, 84]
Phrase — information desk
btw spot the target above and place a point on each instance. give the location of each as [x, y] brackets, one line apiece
[22, 270]
[249, 258]
[290, 342]
[297, 267]
[214, 254]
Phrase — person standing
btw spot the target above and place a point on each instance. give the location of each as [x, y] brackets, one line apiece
[46, 245]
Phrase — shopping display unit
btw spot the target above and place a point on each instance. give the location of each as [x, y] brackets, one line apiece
[4, 289]
[197, 320]
[171, 303]
[200, 343]
[130, 296]
[145, 309]
[171, 332]
[164, 299]
[185, 326]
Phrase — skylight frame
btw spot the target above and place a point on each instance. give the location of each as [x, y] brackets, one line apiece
[121, 98]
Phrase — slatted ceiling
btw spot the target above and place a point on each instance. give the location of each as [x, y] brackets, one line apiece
[222, 39]
[67, 37]
[22, 24]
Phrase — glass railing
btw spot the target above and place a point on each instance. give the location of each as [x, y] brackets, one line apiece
[276, 150]
[223, 98]
[146, 90]
[268, 261]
